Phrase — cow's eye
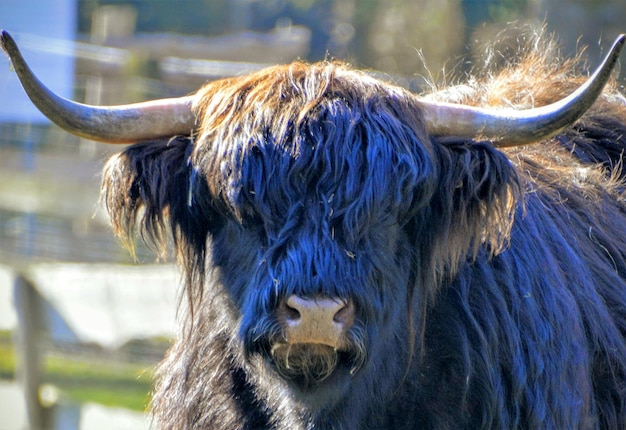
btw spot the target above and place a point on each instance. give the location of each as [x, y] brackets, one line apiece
[251, 221]
[254, 225]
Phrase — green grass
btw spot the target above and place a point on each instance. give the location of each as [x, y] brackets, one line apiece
[117, 384]
[7, 366]
[7, 357]
[108, 382]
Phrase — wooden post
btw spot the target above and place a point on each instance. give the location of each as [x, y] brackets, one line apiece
[29, 335]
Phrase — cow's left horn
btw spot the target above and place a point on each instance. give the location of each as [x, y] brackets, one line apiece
[113, 124]
[509, 127]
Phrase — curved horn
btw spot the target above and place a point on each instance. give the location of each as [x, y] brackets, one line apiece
[510, 127]
[113, 124]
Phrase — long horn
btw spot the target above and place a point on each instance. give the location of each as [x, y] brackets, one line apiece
[113, 124]
[510, 127]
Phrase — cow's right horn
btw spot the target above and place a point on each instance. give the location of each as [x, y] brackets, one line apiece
[113, 124]
[509, 127]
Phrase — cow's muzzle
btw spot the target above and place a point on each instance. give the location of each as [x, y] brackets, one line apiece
[320, 321]
[318, 337]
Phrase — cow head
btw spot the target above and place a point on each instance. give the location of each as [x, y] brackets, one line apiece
[314, 172]
[327, 204]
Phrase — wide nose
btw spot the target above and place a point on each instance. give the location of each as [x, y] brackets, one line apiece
[319, 320]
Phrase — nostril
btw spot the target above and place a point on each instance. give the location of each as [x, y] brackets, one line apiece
[345, 315]
[291, 313]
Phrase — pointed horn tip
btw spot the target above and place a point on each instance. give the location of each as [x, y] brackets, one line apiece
[6, 42]
[619, 42]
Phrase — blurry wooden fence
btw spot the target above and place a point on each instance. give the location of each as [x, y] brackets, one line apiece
[56, 305]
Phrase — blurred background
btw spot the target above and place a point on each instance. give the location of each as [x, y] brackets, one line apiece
[82, 324]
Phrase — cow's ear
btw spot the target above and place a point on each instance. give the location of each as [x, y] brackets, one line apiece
[474, 204]
[146, 189]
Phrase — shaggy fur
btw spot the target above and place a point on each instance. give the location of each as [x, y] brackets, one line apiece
[489, 285]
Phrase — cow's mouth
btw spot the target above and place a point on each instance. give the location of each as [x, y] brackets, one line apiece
[307, 365]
